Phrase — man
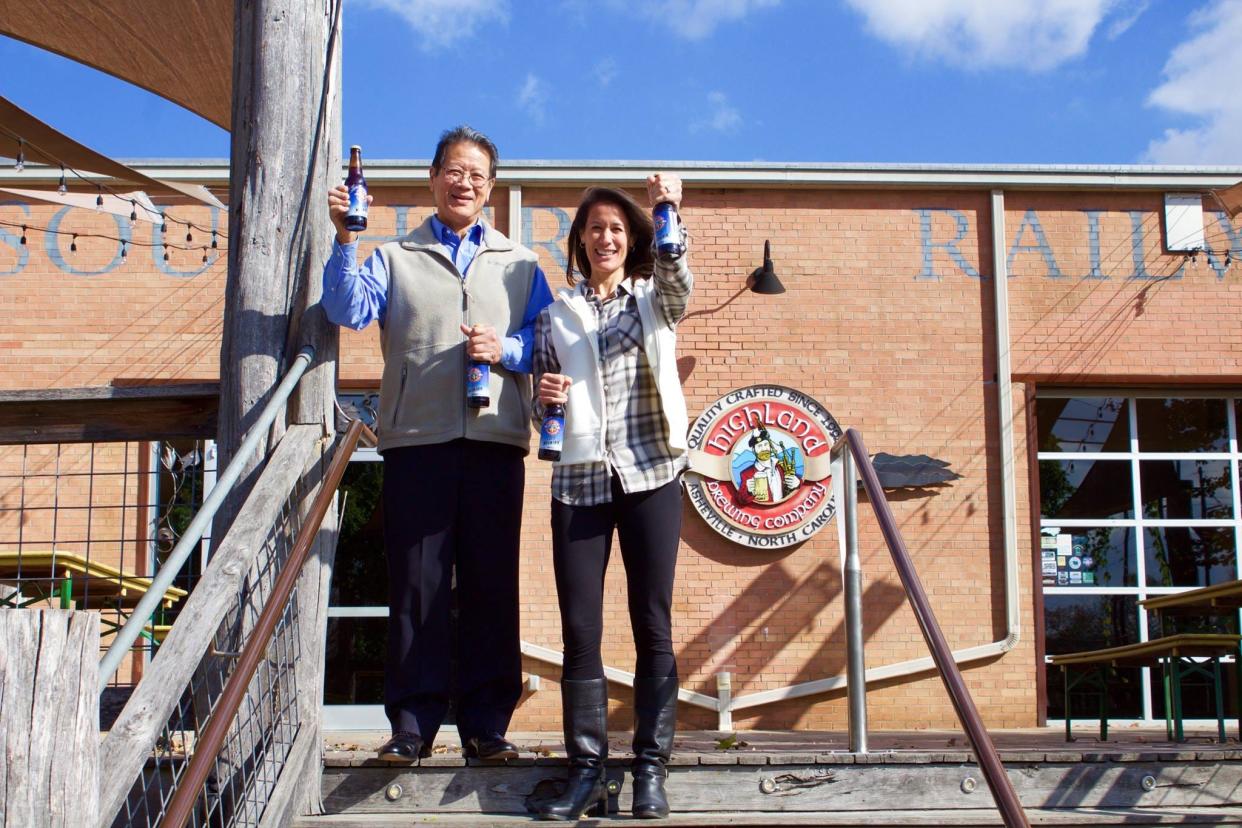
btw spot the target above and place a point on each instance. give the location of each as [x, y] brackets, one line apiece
[453, 290]
[766, 481]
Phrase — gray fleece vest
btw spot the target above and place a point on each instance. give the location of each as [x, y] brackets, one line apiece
[423, 393]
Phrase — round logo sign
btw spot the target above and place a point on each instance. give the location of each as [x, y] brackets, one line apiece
[759, 469]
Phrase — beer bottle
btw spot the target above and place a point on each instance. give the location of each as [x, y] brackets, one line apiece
[670, 236]
[356, 218]
[552, 435]
[478, 378]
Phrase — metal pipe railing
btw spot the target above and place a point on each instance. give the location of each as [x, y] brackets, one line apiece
[985, 752]
[855, 667]
[163, 578]
[212, 738]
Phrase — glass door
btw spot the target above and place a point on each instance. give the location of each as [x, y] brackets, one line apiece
[357, 599]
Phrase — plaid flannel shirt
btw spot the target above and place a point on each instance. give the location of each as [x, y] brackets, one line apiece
[636, 445]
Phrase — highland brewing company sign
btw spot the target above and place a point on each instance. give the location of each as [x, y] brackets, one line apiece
[759, 467]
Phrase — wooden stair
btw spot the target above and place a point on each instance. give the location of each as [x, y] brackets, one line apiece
[1103, 784]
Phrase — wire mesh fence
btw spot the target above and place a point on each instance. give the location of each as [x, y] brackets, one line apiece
[261, 735]
[86, 526]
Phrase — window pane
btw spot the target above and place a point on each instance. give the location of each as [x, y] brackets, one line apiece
[1083, 424]
[1089, 557]
[1088, 622]
[360, 573]
[1186, 489]
[1125, 695]
[354, 671]
[1085, 489]
[1196, 621]
[1189, 556]
[1182, 425]
[1198, 697]
[1073, 623]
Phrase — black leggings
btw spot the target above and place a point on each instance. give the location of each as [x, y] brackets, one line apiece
[648, 525]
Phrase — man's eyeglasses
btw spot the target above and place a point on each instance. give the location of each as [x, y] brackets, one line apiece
[455, 175]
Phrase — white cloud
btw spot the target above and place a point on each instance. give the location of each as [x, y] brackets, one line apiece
[1126, 17]
[723, 117]
[1033, 34]
[533, 97]
[691, 19]
[1201, 76]
[605, 71]
[441, 23]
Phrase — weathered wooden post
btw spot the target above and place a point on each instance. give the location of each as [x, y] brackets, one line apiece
[286, 150]
[49, 718]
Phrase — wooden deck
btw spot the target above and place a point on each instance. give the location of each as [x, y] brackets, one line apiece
[809, 778]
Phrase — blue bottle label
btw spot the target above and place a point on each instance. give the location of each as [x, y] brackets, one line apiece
[357, 201]
[552, 436]
[478, 377]
[667, 225]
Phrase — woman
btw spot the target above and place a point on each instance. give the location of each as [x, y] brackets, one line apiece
[606, 350]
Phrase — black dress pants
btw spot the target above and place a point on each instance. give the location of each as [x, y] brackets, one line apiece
[455, 504]
[648, 525]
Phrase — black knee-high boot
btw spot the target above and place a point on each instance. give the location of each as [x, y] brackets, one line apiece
[584, 705]
[655, 712]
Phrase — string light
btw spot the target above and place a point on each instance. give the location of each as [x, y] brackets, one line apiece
[73, 245]
[63, 189]
[25, 228]
[133, 212]
[213, 241]
[188, 237]
[204, 255]
[124, 257]
[23, 234]
[163, 225]
[165, 252]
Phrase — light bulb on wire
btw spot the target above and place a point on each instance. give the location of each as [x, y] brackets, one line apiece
[133, 212]
[124, 256]
[73, 245]
[99, 199]
[214, 245]
[63, 188]
[20, 163]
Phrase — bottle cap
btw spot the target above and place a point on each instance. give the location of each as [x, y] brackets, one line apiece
[356, 147]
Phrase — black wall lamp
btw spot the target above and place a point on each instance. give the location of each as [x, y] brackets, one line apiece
[763, 280]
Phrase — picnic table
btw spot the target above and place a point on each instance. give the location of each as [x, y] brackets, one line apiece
[1179, 656]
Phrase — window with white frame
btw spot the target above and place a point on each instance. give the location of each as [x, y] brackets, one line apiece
[1139, 496]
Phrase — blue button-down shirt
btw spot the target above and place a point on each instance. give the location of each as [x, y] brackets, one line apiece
[356, 295]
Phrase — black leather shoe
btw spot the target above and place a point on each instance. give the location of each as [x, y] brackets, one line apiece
[404, 748]
[489, 747]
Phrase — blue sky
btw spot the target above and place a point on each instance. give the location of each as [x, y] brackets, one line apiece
[892, 81]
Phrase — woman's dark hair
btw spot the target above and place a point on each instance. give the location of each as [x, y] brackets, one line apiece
[639, 261]
[465, 135]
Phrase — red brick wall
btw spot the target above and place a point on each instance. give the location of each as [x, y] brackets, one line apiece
[887, 321]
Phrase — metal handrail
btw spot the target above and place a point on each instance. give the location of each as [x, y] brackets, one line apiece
[212, 738]
[985, 752]
[149, 602]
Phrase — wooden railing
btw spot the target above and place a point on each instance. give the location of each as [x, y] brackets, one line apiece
[164, 750]
[212, 738]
